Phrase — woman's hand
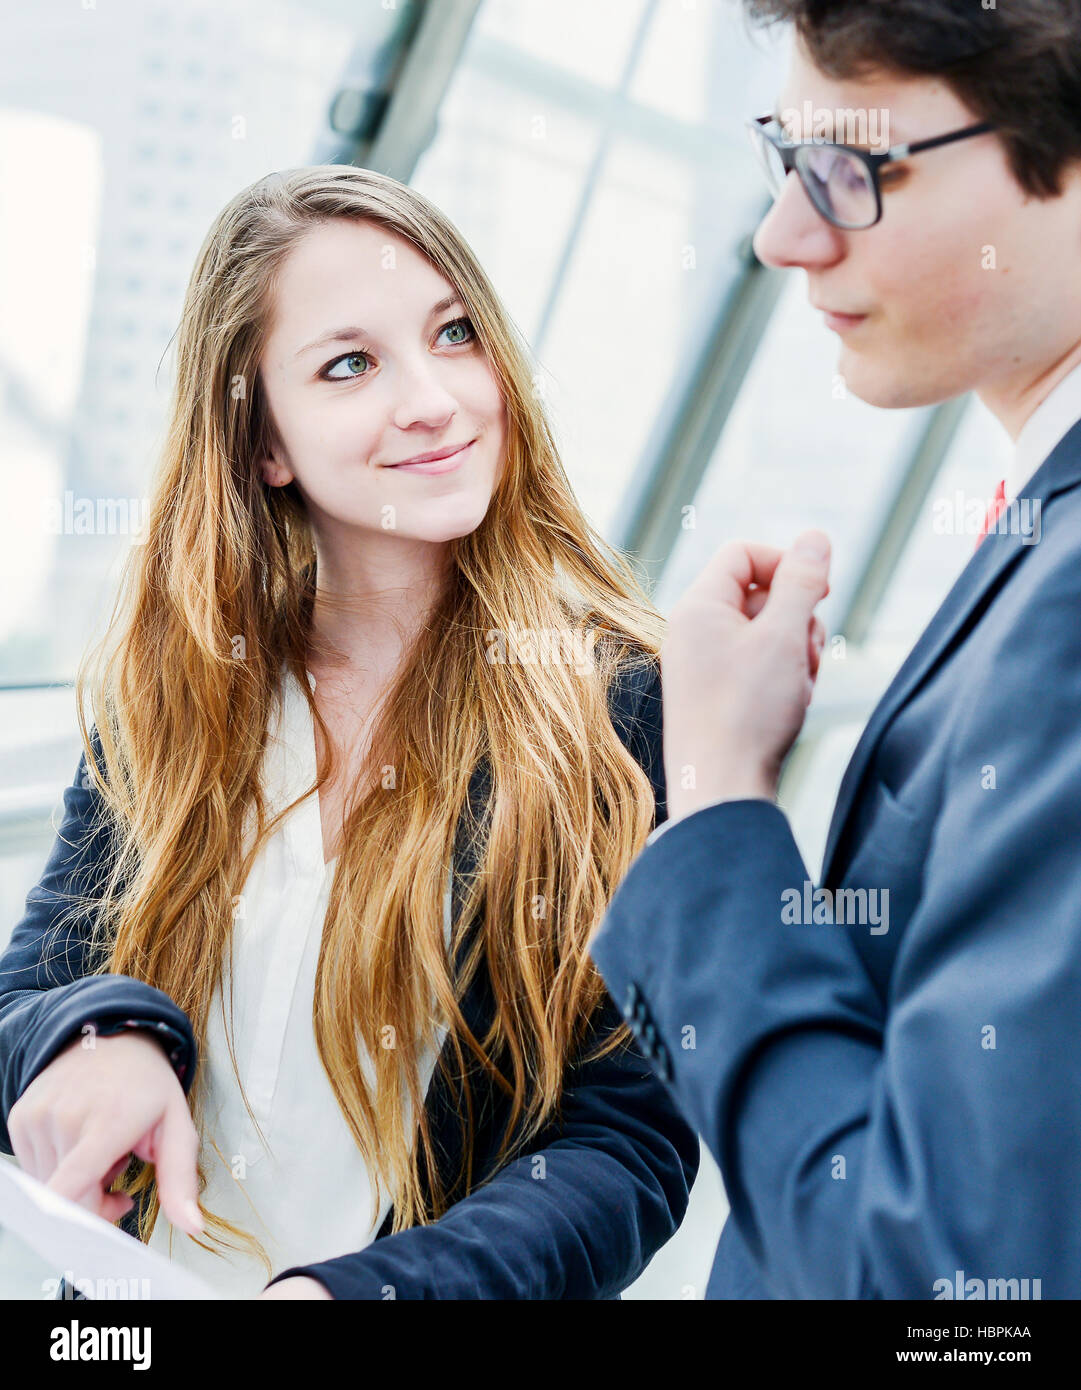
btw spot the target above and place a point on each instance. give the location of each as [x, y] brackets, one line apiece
[738, 667]
[98, 1102]
[299, 1286]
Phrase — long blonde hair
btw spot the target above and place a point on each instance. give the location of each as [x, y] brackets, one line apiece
[219, 595]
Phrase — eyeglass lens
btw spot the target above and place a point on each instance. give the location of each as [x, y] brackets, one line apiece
[839, 184]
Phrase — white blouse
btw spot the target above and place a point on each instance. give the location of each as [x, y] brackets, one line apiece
[307, 1194]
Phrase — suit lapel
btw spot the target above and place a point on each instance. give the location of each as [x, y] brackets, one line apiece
[962, 606]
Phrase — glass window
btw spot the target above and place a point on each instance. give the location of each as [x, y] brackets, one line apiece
[940, 545]
[607, 213]
[797, 452]
[115, 183]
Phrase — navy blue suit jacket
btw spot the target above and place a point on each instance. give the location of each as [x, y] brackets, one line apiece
[891, 1108]
[618, 1167]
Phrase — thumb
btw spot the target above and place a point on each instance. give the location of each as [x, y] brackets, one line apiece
[800, 581]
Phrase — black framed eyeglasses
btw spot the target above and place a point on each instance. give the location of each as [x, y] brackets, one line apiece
[840, 180]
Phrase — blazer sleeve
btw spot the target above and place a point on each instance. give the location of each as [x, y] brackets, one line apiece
[873, 1152]
[581, 1214]
[46, 995]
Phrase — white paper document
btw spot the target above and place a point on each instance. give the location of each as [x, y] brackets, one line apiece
[97, 1258]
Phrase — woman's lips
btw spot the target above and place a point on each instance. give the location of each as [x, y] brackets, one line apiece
[446, 465]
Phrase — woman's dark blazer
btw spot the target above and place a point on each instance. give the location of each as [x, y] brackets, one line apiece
[614, 1182]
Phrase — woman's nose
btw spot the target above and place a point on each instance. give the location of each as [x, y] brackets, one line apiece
[422, 399]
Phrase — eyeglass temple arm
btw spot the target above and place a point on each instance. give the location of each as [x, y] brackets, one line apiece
[903, 151]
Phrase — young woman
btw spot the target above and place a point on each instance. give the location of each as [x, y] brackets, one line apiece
[376, 736]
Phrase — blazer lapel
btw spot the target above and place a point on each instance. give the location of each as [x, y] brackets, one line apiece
[962, 606]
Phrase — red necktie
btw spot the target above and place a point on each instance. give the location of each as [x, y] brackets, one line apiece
[994, 511]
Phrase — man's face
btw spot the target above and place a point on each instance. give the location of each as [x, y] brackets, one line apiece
[966, 282]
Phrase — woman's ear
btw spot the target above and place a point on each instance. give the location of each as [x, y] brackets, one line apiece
[274, 474]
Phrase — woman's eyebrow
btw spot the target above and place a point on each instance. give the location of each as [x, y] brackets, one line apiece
[344, 335]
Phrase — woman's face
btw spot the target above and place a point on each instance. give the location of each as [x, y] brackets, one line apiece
[370, 362]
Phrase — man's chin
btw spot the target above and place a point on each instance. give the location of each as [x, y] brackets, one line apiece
[889, 386]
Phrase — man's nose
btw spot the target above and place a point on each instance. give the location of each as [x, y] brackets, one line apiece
[794, 233]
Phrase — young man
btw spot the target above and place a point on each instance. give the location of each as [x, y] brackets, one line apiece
[895, 1106]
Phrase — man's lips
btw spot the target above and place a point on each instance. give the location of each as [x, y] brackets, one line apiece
[438, 461]
[837, 320]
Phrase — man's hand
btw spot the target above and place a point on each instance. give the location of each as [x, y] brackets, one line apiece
[298, 1286]
[738, 669]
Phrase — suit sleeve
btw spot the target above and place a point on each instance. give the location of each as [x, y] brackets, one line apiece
[47, 995]
[872, 1150]
[579, 1215]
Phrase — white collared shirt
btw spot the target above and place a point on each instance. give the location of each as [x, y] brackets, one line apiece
[307, 1195]
[1043, 429]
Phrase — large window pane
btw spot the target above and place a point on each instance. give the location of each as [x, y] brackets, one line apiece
[607, 213]
[109, 187]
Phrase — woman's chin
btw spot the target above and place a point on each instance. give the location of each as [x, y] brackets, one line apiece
[446, 521]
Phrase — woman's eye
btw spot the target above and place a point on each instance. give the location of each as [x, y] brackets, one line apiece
[348, 360]
[459, 326]
[461, 329]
